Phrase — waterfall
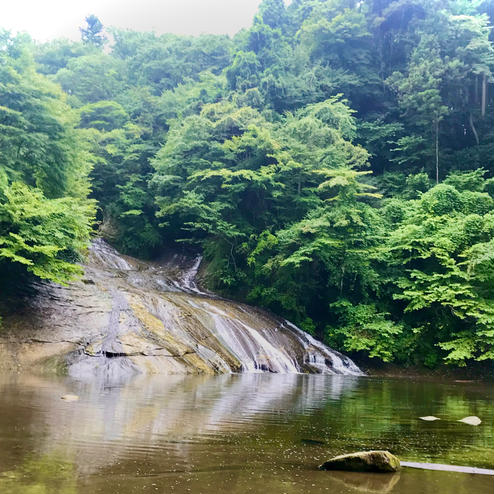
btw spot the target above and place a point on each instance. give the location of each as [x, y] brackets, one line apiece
[187, 282]
[127, 317]
[341, 363]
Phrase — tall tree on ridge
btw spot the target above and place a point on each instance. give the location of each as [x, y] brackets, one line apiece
[93, 34]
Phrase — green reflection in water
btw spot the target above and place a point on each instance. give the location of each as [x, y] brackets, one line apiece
[384, 414]
[47, 474]
[238, 434]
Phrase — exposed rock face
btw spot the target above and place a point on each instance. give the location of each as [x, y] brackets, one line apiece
[364, 461]
[126, 316]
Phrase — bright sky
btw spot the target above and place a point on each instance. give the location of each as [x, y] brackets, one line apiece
[49, 19]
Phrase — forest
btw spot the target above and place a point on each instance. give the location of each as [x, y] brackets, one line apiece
[333, 163]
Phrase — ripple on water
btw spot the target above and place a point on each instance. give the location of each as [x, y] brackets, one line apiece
[241, 433]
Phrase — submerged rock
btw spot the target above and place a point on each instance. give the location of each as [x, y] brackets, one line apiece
[364, 461]
[312, 442]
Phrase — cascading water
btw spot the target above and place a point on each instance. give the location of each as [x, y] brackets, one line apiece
[129, 316]
[319, 358]
[187, 282]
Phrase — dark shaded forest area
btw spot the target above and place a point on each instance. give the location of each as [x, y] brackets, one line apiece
[333, 163]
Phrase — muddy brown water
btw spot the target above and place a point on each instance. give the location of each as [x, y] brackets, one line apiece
[252, 433]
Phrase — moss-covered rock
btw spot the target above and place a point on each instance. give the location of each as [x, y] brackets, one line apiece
[364, 461]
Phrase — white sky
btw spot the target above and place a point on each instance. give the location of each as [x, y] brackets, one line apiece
[49, 19]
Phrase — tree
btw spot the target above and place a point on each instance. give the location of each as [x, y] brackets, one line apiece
[103, 115]
[45, 217]
[91, 78]
[257, 151]
[322, 259]
[443, 247]
[92, 34]
[42, 236]
[55, 55]
[419, 95]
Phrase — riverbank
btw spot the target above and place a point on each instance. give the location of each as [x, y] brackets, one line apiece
[477, 371]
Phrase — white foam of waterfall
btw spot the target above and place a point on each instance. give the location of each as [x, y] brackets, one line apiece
[249, 346]
[187, 281]
[259, 342]
[107, 256]
[217, 362]
[255, 352]
[258, 354]
[340, 363]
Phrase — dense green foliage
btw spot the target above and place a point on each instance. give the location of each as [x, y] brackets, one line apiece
[333, 162]
[45, 217]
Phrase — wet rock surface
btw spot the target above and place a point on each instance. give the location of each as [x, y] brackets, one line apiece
[364, 461]
[126, 317]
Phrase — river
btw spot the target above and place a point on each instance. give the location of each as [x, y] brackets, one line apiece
[250, 433]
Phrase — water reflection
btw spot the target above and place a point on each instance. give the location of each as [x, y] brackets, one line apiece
[50, 474]
[236, 433]
[361, 482]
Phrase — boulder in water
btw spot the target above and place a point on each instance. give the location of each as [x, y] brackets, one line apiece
[364, 461]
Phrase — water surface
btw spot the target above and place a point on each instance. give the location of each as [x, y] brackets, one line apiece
[252, 433]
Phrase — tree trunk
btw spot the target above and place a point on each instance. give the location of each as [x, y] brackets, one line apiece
[437, 150]
[342, 277]
[484, 94]
[233, 258]
[474, 130]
